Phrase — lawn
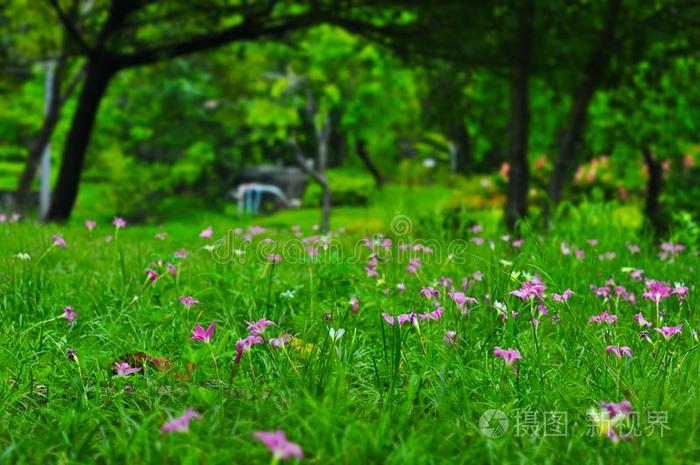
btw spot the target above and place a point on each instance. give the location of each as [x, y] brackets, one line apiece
[412, 347]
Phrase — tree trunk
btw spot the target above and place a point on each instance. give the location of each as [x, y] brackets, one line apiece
[323, 135]
[459, 137]
[595, 69]
[652, 209]
[361, 149]
[36, 148]
[519, 174]
[97, 77]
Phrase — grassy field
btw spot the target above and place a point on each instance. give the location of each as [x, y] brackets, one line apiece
[343, 383]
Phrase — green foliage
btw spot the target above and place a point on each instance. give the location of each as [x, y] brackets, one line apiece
[349, 188]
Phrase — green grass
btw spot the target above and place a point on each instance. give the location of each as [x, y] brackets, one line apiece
[378, 395]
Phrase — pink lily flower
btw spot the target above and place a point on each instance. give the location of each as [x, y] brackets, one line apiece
[151, 275]
[245, 344]
[181, 424]
[669, 331]
[354, 304]
[279, 446]
[656, 291]
[58, 241]
[604, 317]
[619, 351]
[204, 335]
[529, 290]
[69, 314]
[450, 338]
[639, 317]
[258, 327]
[119, 223]
[188, 301]
[429, 292]
[509, 356]
[563, 297]
[123, 369]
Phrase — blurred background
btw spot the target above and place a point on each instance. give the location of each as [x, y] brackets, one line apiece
[170, 110]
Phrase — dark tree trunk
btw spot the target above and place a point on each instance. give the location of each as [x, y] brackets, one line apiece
[519, 174]
[573, 131]
[97, 77]
[44, 136]
[459, 136]
[652, 209]
[361, 149]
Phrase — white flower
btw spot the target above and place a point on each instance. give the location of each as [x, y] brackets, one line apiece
[500, 307]
[336, 334]
[288, 294]
[23, 256]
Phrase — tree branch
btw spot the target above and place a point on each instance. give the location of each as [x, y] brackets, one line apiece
[70, 27]
[251, 28]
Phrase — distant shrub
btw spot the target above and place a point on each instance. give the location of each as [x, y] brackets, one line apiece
[347, 188]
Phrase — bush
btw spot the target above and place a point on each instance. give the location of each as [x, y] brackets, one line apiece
[347, 188]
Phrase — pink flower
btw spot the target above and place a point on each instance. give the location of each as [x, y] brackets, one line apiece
[633, 248]
[207, 233]
[656, 291]
[123, 369]
[637, 274]
[245, 344]
[518, 243]
[181, 424]
[680, 290]
[69, 314]
[259, 326]
[90, 224]
[604, 317]
[429, 292]
[639, 317]
[401, 287]
[619, 351]
[151, 275]
[409, 317]
[204, 335]
[58, 241]
[278, 342]
[460, 299]
[621, 408]
[529, 290]
[580, 254]
[670, 250]
[172, 269]
[669, 331]
[510, 356]
[119, 223]
[434, 315]
[188, 301]
[180, 254]
[564, 296]
[274, 258]
[354, 304]
[450, 338]
[279, 446]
